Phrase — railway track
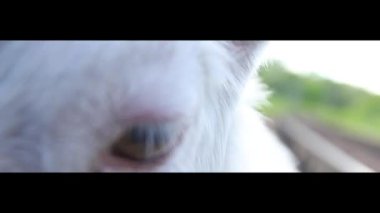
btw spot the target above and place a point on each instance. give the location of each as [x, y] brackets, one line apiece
[321, 148]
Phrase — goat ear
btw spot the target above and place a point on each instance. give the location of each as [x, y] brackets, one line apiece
[245, 50]
[247, 53]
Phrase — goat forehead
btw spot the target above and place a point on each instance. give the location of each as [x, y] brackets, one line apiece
[146, 51]
[50, 75]
[116, 66]
[46, 60]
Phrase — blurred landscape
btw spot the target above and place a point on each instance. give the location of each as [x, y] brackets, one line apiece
[341, 117]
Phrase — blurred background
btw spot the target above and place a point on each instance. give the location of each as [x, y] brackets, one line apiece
[325, 102]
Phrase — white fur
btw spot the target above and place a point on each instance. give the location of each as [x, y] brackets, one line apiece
[71, 100]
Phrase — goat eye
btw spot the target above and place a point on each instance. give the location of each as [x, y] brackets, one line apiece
[143, 142]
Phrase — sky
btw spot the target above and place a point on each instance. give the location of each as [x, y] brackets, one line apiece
[356, 63]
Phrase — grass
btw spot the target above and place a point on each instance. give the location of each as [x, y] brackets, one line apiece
[350, 108]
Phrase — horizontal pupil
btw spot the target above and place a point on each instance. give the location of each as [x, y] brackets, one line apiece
[142, 135]
[138, 135]
[143, 142]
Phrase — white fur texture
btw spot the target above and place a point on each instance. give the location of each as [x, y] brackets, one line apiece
[63, 103]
